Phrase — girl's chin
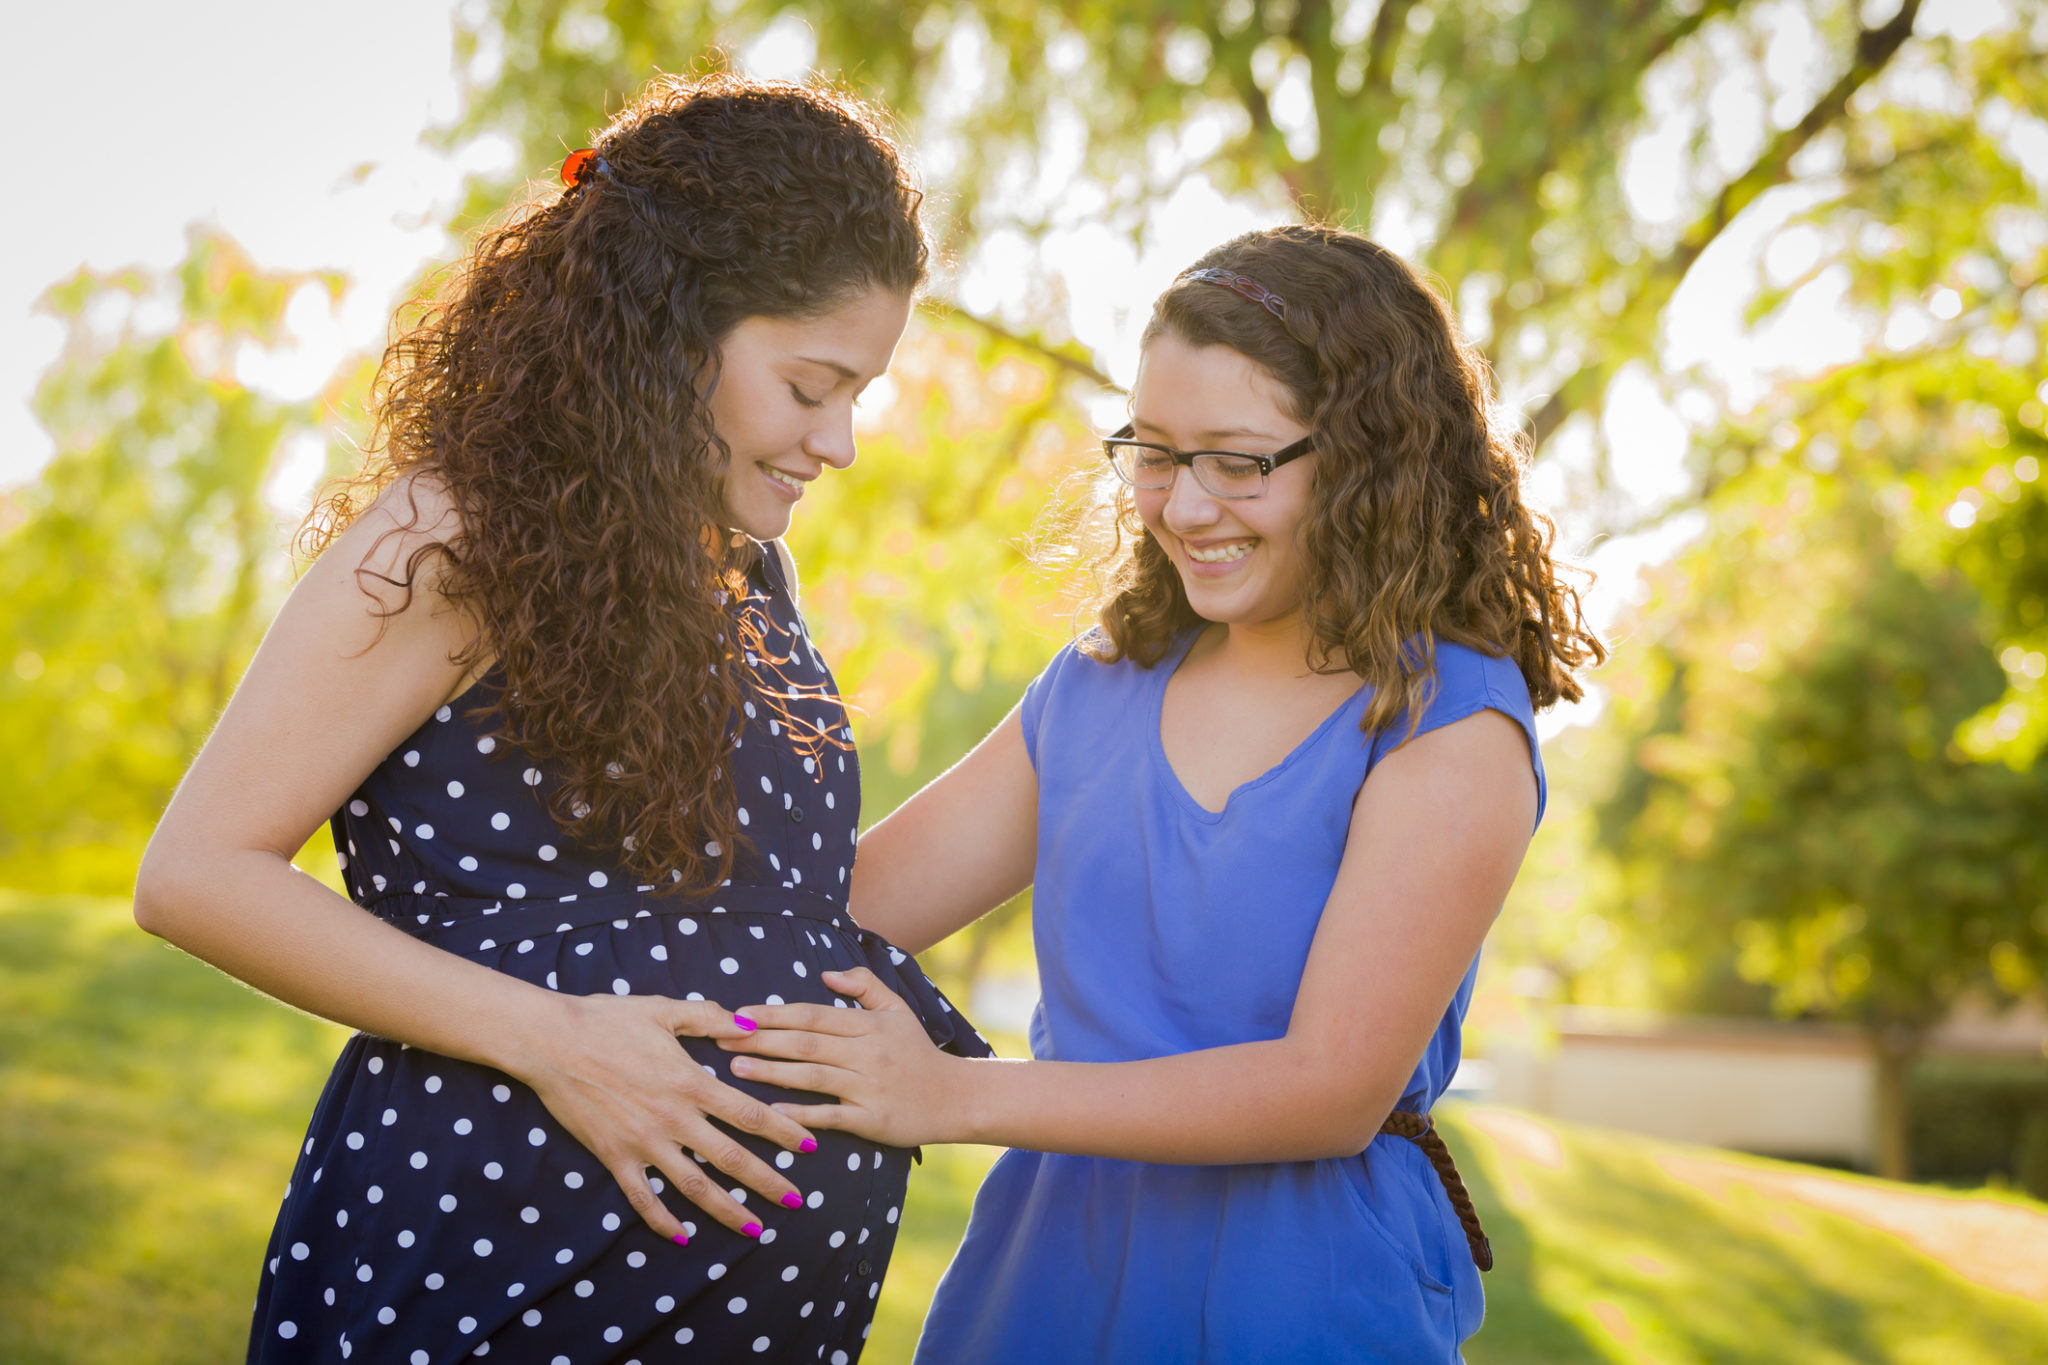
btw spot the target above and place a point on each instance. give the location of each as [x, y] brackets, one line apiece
[1233, 602]
[1214, 601]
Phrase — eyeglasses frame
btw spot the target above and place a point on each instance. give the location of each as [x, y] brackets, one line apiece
[1267, 463]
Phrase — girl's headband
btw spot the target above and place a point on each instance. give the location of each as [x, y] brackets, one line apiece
[1243, 285]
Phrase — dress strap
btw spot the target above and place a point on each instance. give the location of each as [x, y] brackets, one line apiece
[768, 567]
[1420, 1130]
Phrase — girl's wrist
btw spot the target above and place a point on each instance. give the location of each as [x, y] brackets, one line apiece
[976, 1086]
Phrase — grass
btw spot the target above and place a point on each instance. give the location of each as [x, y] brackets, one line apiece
[150, 1108]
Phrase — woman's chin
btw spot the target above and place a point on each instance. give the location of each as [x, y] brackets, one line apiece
[763, 524]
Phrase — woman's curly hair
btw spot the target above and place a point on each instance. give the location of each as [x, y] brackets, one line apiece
[1416, 526]
[557, 392]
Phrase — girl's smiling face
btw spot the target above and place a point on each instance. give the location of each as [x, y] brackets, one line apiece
[783, 402]
[1237, 558]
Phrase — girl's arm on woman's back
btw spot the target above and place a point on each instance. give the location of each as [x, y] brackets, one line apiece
[1437, 834]
[955, 851]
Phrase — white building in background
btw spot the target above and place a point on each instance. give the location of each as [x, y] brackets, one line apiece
[1792, 1089]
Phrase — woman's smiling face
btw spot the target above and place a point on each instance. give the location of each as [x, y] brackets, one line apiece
[1237, 558]
[783, 402]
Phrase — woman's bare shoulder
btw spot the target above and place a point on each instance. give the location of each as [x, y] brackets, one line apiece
[391, 548]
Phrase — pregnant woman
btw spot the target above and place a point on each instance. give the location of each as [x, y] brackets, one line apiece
[587, 775]
[1270, 808]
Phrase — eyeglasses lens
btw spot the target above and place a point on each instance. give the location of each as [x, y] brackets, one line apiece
[1222, 475]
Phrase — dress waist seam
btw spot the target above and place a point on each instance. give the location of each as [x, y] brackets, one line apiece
[450, 920]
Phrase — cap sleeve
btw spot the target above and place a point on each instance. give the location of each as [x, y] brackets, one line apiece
[1468, 682]
[1038, 693]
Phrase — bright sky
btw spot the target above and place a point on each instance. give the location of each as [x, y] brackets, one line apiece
[298, 128]
[133, 120]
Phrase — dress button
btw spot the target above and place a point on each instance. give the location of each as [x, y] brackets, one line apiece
[864, 1268]
[796, 813]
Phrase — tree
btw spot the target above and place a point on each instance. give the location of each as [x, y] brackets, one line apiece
[1792, 797]
[137, 573]
[1493, 140]
[1504, 145]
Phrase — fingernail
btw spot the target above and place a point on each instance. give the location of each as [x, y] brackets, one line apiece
[808, 1145]
[680, 1240]
[792, 1200]
[745, 1023]
[752, 1229]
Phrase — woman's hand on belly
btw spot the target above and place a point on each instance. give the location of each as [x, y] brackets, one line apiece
[612, 1074]
[894, 1085]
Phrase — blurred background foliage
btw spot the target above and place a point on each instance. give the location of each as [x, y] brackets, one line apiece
[1813, 787]
[139, 570]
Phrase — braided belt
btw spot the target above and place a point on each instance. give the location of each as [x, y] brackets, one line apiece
[1418, 1129]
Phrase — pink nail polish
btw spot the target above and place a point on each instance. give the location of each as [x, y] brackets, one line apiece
[745, 1023]
[792, 1200]
[808, 1145]
[680, 1240]
[752, 1229]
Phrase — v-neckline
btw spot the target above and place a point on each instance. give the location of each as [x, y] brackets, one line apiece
[1165, 669]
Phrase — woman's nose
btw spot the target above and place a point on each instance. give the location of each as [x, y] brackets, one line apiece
[831, 440]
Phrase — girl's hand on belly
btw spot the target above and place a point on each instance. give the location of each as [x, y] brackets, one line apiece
[894, 1085]
[612, 1074]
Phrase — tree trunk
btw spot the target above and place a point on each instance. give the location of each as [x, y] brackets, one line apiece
[1894, 1046]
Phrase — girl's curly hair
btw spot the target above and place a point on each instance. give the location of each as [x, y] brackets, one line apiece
[556, 391]
[1416, 526]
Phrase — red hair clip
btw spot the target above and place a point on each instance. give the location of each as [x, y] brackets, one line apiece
[578, 165]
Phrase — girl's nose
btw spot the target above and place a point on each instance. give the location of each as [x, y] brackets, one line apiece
[1188, 504]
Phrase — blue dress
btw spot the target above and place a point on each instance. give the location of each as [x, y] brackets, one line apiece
[1164, 928]
[438, 1212]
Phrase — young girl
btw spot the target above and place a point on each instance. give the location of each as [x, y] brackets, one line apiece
[1270, 808]
[587, 775]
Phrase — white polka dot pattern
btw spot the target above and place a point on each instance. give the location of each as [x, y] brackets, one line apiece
[463, 1220]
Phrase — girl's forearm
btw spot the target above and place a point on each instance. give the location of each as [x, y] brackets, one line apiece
[1265, 1101]
[262, 921]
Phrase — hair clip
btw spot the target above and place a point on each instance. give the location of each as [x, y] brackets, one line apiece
[578, 165]
[1243, 285]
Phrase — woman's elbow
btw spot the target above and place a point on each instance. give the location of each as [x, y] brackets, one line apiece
[164, 892]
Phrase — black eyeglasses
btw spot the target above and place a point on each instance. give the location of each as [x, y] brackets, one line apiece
[1230, 474]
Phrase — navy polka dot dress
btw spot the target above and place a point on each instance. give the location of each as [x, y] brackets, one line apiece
[438, 1212]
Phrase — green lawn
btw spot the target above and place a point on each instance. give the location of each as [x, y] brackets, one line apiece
[149, 1110]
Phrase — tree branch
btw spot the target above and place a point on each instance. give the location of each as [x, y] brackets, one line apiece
[1064, 357]
[1233, 57]
[1874, 49]
[1381, 44]
[1476, 200]
[1686, 26]
[1314, 34]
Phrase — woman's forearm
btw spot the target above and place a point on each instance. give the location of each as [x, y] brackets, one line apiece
[262, 921]
[1267, 1101]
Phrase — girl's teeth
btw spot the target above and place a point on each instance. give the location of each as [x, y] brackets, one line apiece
[1223, 554]
[783, 478]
